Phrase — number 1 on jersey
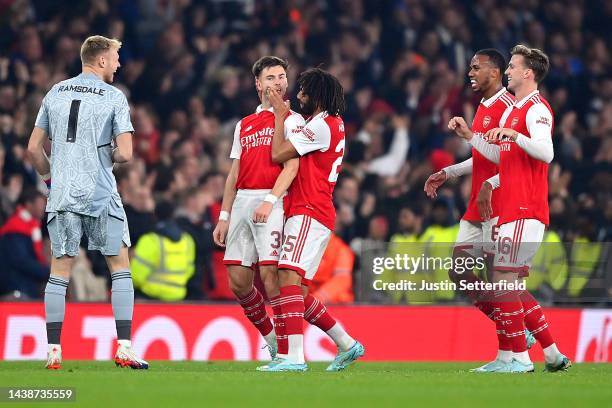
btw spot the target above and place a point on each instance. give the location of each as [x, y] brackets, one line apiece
[333, 175]
[72, 120]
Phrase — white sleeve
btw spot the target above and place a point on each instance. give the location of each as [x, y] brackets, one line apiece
[459, 169]
[490, 151]
[391, 163]
[315, 135]
[236, 148]
[539, 124]
[494, 181]
[293, 124]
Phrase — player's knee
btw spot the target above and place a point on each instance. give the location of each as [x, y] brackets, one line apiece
[288, 277]
[269, 277]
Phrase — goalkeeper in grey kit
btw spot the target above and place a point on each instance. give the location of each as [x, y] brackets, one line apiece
[88, 123]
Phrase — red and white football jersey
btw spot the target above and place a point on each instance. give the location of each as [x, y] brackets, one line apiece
[320, 145]
[523, 179]
[253, 146]
[488, 116]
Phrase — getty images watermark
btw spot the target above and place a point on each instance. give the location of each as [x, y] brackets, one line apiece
[427, 266]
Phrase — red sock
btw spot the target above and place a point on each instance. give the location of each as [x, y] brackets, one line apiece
[316, 313]
[292, 307]
[504, 342]
[535, 320]
[255, 311]
[279, 326]
[512, 315]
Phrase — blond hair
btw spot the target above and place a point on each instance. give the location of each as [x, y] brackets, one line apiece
[95, 45]
[535, 59]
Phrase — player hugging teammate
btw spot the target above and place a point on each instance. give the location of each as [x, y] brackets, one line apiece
[518, 146]
[252, 221]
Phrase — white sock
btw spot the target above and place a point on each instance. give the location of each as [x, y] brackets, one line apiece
[504, 355]
[125, 343]
[551, 353]
[341, 337]
[52, 346]
[523, 357]
[296, 348]
[270, 338]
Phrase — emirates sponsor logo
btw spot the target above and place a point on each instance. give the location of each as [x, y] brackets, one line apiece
[514, 122]
[595, 336]
[486, 121]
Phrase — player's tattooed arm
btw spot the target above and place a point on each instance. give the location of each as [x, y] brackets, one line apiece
[122, 153]
[282, 149]
[36, 152]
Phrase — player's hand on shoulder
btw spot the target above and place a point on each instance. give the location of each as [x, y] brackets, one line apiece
[262, 212]
[433, 183]
[220, 233]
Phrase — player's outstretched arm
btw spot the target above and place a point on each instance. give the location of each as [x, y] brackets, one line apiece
[282, 149]
[437, 179]
[283, 181]
[36, 153]
[229, 194]
[122, 153]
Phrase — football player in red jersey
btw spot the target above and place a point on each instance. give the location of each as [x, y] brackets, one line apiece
[478, 227]
[523, 148]
[254, 192]
[311, 214]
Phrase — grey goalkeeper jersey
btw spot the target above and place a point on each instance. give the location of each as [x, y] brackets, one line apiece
[82, 116]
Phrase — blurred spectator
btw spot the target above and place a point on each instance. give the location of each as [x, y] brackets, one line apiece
[333, 282]
[26, 267]
[163, 260]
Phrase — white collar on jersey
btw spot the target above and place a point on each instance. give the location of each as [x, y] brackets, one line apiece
[322, 115]
[519, 104]
[488, 102]
[260, 109]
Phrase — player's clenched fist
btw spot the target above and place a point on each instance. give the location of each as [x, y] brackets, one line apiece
[220, 233]
[433, 183]
[262, 212]
[460, 127]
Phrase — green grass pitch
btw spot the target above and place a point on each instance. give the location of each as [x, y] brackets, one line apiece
[226, 384]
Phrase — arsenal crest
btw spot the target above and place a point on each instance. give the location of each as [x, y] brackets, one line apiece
[514, 122]
[486, 121]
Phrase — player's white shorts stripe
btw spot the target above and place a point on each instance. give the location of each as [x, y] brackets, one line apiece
[301, 239]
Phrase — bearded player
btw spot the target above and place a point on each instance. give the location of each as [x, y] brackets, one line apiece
[311, 214]
[251, 221]
[523, 148]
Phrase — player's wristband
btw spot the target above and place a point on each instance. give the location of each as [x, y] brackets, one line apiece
[271, 198]
[224, 216]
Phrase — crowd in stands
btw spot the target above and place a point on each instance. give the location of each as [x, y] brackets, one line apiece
[185, 68]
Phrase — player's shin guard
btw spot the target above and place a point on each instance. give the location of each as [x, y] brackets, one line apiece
[316, 314]
[255, 310]
[55, 307]
[292, 307]
[279, 327]
[122, 301]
